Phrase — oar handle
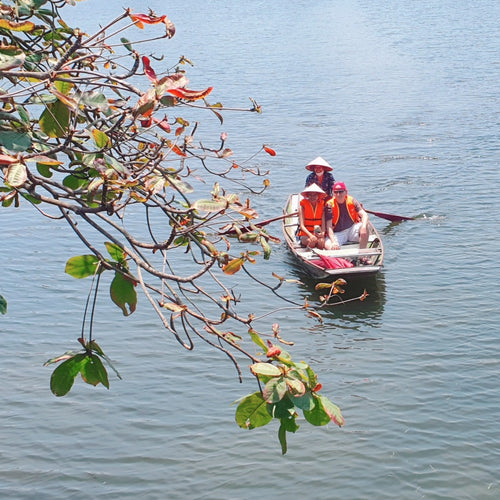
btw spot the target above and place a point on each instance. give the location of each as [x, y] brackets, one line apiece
[245, 229]
[268, 221]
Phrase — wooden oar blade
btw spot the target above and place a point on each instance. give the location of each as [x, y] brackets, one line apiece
[390, 217]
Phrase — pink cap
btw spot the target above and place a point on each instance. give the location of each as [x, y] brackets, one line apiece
[339, 186]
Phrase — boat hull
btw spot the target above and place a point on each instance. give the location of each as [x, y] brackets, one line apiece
[319, 268]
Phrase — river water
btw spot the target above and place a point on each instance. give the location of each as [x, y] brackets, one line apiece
[403, 99]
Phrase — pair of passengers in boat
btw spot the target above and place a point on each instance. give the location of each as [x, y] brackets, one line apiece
[330, 223]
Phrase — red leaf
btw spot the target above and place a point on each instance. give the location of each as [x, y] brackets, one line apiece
[270, 151]
[170, 82]
[7, 160]
[143, 18]
[163, 124]
[190, 95]
[178, 151]
[273, 351]
[146, 104]
[148, 70]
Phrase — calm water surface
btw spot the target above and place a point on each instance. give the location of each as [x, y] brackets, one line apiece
[403, 98]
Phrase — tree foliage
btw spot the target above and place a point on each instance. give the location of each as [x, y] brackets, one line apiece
[99, 134]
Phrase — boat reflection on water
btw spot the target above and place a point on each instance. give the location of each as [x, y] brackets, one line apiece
[345, 308]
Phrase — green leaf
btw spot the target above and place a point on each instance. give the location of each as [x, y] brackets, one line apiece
[74, 182]
[9, 201]
[82, 266]
[3, 305]
[93, 372]
[295, 387]
[31, 199]
[266, 369]
[103, 356]
[100, 138]
[305, 402]
[168, 101]
[54, 121]
[318, 415]
[321, 286]
[266, 248]
[116, 165]
[290, 424]
[61, 357]
[210, 205]
[115, 251]
[63, 86]
[182, 186]
[32, 61]
[274, 390]
[333, 411]
[123, 293]
[181, 241]
[94, 99]
[94, 346]
[23, 114]
[42, 99]
[282, 438]
[44, 170]
[11, 57]
[283, 409]
[256, 338]
[126, 44]
[15, 141]
[252, 412]
[16, 175]
[233, 266]
[63, 376]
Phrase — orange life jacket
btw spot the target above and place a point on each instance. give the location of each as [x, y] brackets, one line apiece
[312, 216]
[350, 208]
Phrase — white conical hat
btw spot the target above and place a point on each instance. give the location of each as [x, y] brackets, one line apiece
[313, 188]
[319, 161]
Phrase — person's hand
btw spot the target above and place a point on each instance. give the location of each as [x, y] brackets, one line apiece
[313, 241]
[334, 244]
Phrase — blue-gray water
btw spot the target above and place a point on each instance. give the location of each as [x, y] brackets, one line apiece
[403, 98]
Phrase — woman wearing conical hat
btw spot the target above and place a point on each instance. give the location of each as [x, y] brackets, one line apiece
[320, 174]
[312, 230]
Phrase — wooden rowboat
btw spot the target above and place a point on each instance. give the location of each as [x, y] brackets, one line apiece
[323, 264]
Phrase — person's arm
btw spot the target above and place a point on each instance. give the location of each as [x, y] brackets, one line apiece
[363, 230]
[302, 225]
[334, 244]
[331, 182]
[364, 218]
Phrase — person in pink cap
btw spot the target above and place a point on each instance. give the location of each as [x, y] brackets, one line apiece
[311, 217]
[345, 219]
[321, 175]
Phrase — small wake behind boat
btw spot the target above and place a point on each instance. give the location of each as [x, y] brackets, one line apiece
[348, 261]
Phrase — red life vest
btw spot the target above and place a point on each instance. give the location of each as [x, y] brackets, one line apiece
[312, 216]
[350, 208]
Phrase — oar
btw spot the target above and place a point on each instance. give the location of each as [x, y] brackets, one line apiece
[391, 217]
[246, 229]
